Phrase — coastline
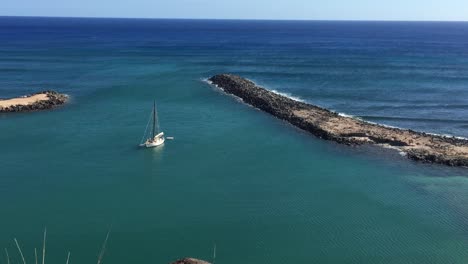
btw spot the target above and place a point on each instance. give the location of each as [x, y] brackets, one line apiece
[37, 101]
[329, 125]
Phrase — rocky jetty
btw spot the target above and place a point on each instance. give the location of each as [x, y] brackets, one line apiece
[190, 261]
[330, 125]
[38, 101]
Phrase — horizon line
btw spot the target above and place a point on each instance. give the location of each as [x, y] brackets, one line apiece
[236, 19]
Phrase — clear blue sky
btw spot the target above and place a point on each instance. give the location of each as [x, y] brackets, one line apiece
[244, 9]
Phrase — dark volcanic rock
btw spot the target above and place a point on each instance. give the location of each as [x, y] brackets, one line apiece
[329, 125]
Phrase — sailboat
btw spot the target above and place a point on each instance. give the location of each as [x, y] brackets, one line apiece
[156, 138]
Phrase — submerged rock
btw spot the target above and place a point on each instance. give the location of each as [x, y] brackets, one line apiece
[329, 125]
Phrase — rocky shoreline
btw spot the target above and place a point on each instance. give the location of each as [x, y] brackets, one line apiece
[329, 125]
[38, 101]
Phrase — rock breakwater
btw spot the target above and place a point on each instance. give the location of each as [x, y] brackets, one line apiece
[329, 125]
[38, 101]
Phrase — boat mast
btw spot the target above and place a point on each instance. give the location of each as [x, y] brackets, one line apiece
[154, 118]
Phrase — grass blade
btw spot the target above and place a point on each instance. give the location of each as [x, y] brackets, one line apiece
[21, 252]
[103, 249]
[44, 245]
[35, 255]
[214, 253]
[7, 256]
[68, 257]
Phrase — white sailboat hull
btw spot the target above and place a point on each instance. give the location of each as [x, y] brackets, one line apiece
[158, 140]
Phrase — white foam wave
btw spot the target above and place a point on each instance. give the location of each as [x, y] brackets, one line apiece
[210, 83]
[288, 95]
[367, 121]
[447, 136]
[401, 128]
[345, 115]
[382, 125]
[237, 98]
[206, 80]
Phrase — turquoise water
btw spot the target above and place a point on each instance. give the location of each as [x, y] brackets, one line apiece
[260, 189]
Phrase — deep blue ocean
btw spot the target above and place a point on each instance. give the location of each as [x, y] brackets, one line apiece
[261, 190]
